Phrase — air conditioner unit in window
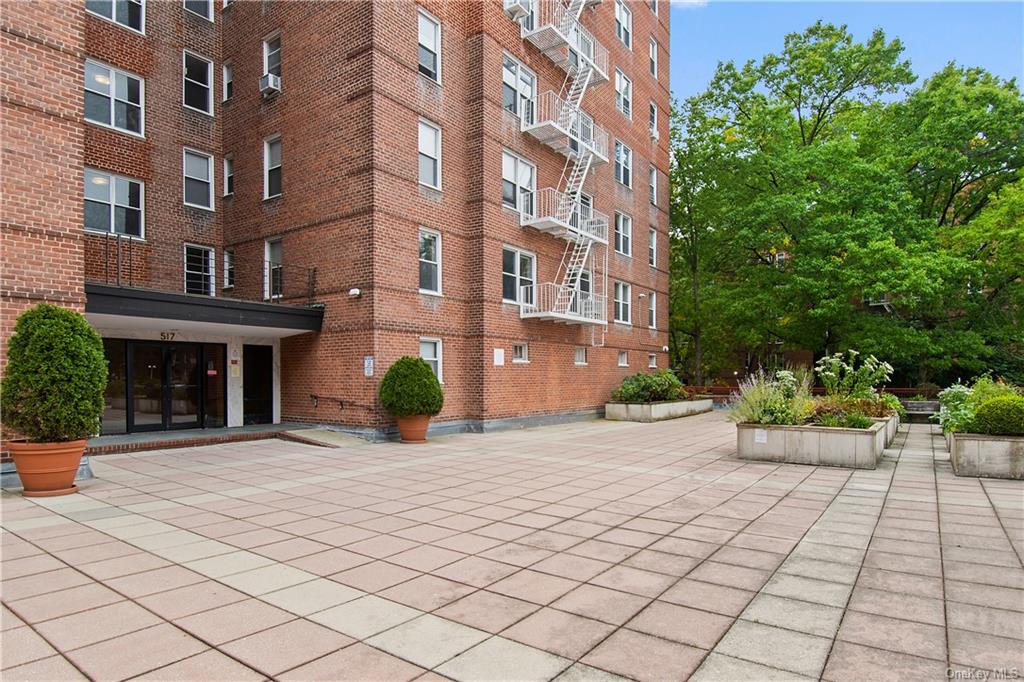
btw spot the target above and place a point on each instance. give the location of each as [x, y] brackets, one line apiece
[270, 84]
[517, 9]
[655, 135]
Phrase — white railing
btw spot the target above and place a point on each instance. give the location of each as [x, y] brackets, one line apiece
[583, 42]
[549, 204]
[550, 26]
[559, 300]
[548, 109]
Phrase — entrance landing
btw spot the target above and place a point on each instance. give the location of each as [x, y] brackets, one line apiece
[162, 440]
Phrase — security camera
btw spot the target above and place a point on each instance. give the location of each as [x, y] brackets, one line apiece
[354, 292]
[664, 349]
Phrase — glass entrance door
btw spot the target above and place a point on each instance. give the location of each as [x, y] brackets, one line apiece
[147, 402]
[167, 386]
[183, 386]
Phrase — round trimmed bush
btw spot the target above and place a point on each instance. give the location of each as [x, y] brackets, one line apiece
[1003, 416]
[56, 373]
[410, 388]
[649, 388]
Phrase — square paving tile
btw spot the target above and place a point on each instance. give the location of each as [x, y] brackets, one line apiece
[777, 648]
[499, 660]
[136, 653]
[359, 662]
[375, 576]
[532, 586]
[487, 611]
[428, 641]
[96, 625]
[681, 624]
[644, 658]
[793, 614]
[901, 636]
[634, 581]
[210, 666]
[309, 597]
[600, 603]
[236, 620]
[364, 617]
[427, 592]
[558, 632]
[286, 646]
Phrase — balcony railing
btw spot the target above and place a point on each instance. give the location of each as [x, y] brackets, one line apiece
[560, 36]
[565, 129]
[561, 303]
[559, 214]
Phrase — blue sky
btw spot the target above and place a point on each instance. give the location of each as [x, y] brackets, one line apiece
[988, 34]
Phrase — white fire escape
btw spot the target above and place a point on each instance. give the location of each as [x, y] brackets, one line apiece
[578, 295]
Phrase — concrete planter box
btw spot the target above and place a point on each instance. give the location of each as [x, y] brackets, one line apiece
[655, 412]
[892, 426]
[976, 454]
[819, 445]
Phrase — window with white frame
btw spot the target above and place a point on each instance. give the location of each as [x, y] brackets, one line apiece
[229, 268]
[198, 82]
[519, 85]
[623, 164]
[654, 7]
[583, 211]
[114, 98]
[624, 23]
[272, 55]
[520, 352]
[623, 298]
[198, 179]
[127, 13]
[430, 261]
[623, 359]
[580, 355]
[518, 182]
[430, 352]
[623, 234]
[113, 204]
[652, 51]
[273, 269]
[652, 247]
[623, 93]
[652, 185]
[652, 119]
[229, 176]
[199, 270]
[203, 8]
[227, 83]
[652, 310]
[430, 155]
[518, 276]
[273, 179]
[652, 361]
[430, 46]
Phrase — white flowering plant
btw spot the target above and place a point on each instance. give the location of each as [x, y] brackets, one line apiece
[843, 376]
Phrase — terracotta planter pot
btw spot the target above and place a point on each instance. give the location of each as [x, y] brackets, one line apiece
[413, 429]
[47, 469]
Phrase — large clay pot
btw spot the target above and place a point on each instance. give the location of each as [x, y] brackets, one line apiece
[47, 469]
[413, 429]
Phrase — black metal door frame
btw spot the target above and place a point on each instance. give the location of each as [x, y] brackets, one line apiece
[166, 349]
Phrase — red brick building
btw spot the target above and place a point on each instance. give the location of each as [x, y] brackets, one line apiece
[261, 205]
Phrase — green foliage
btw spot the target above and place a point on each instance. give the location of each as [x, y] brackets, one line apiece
[55, 376]
[850, 379]
[763, 399]
[1001, 416]
[649, 388]
[410, 388]
[892, 404]
[959, 404]
[852, 420]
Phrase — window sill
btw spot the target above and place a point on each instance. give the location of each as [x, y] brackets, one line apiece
[137, 136]
[427, 79]
[432, 188]
[520, 362]
[114, 235]
[272, 197]
[435, 294]
[199, 111]
[208, 209]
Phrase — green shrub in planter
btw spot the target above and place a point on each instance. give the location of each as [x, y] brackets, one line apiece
[892, 404]
[1002, 416]
[410, 388]
[649, 388]
[56, 373]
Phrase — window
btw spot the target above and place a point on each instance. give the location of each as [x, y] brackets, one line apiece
[430, 261]
[520, 352]
[517, 276]
[623, 359]
[623, 234]
[128, 13]
[199, 270]
[227, 83]
[229, 176]
[652, 119]
[272, 178]
[654, 7]
[624, 23]
[430, 351]
[198, 172]
[273, 269]
[652, 361]
[272, 55]
[518, 181]
[652, 310]
[113, 98]
[430, 155]
[623, 93]
[652, 247]
[113, 204]
[652, 185]
[623, 164]
[518, 88]
[623, 301]
[652, 51]
[203, 8]
[430, 46]
[229, 268]
[580, 355]
[198, 80]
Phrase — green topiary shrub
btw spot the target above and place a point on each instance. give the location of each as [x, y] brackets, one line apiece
[1002, 416]
[410, 388]
[649, 388]
[56, 373]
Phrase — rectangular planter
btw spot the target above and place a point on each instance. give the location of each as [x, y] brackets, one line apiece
[976, 454]
[819, 445]
[892, 426]
[655, 412]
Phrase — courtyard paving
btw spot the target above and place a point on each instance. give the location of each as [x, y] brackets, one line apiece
[593, 551]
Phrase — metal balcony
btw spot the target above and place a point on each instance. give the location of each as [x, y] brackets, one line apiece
[560, 215]
[561, 303]
[560, 36]
[565, 129]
